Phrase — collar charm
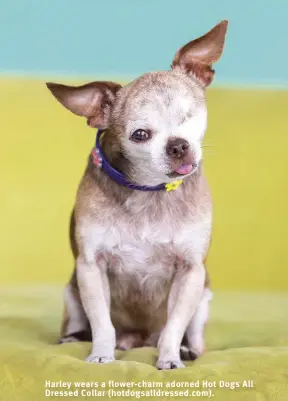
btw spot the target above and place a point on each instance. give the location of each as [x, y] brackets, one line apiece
[97, 159]
[172, 186]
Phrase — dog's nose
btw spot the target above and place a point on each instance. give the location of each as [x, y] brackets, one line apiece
[177, 147]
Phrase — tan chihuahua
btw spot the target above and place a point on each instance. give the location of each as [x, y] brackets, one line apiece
[141, 226]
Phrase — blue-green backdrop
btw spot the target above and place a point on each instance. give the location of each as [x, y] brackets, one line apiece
[125, 38]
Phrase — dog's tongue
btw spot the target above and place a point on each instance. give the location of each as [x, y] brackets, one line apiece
[184, 169]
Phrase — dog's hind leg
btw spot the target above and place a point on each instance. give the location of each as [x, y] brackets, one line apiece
[152, 340]
[128, 340]
[75, 325]
[193, 344]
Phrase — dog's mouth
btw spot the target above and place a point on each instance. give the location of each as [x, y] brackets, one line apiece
[183, 169]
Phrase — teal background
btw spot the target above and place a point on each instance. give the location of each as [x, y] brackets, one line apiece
[125, 38]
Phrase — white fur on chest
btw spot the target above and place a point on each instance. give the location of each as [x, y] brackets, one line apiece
[143, 245]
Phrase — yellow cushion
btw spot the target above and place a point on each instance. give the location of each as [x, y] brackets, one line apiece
[247, 339]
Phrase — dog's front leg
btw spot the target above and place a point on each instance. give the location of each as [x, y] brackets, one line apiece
[95, 296]
[186, 291]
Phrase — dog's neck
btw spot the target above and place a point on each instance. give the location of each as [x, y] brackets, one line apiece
[112, 150]
[132, 200]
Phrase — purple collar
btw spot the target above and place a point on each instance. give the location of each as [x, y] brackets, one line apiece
[100, 161]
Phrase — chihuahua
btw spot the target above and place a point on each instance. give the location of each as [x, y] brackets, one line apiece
[141, 226]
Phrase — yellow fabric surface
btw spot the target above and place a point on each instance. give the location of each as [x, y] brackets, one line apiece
[247, 339]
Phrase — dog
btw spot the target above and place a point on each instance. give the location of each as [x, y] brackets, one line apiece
[141, 226]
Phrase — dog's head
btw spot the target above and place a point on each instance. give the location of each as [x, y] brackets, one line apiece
[157, 122]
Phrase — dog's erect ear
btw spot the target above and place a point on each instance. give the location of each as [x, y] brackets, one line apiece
[93, 100]
[197, 56]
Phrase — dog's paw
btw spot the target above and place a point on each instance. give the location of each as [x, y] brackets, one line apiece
[83, 335]
[68, 339]
[163, 364]
[188, 354]
[99, 359]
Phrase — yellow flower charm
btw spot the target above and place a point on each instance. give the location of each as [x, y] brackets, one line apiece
[172, 186]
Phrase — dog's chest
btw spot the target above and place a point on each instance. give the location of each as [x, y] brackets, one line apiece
[135, 246]
[150, 247]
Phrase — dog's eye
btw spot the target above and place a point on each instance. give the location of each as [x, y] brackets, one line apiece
[140, 135]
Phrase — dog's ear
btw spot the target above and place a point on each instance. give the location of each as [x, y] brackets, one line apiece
[93, 100]
[197, 56]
